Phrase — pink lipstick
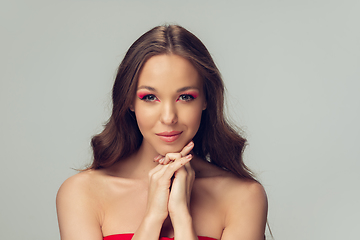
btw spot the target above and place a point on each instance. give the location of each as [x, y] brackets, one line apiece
[169, 136]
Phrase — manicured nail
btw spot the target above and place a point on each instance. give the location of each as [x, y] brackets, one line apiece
[161, 160]
[189, 156]
[157, 157]
[190, 144]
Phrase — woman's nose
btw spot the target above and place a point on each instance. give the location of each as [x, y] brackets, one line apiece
[169, 114]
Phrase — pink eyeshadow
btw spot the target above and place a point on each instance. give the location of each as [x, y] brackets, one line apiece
[142, 94]
[194, 94]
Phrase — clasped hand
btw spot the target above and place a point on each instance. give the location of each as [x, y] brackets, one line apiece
[170, 184]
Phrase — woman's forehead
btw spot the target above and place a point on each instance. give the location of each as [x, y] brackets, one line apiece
[169, 70]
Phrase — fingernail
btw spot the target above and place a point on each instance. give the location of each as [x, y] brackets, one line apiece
[157, 158]
[189, 156]
[161, 160]
[190, 144]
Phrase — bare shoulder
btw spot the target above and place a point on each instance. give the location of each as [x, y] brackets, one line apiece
[246, 209]
[234, 192]
[227, 186]
[79, 185]
[81, 191]
[243, 191]
[243, 202]
[76, 203]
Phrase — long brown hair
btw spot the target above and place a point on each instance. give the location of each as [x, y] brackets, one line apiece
[216, 140]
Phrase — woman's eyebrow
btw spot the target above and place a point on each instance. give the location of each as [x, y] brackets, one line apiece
[187, 88]
[148, 88]
[179, 90]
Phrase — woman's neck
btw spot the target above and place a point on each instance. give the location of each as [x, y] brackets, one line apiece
[138, 165]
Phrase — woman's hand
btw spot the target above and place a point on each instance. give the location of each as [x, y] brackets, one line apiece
[160, 179]
[179, 200]
[183, 179]
[179, 197]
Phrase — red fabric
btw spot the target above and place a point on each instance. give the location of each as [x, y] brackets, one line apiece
[128, 236]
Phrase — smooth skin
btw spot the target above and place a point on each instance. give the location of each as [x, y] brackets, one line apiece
[163, 189]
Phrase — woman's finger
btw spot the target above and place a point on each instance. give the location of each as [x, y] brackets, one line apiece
[176, 165]
[187, 149]
[157, 158]
[171, 157]
[174, 156]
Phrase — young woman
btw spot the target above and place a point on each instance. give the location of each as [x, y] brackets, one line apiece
[167, 164]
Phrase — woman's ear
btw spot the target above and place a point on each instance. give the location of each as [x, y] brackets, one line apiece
[132, 108]
[204, 105]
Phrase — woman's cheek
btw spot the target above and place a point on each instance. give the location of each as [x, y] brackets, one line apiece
[193, 120]
[144, 118]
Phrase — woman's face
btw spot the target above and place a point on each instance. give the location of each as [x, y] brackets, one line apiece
[168, 103]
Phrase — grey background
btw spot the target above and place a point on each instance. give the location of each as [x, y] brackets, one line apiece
[292, 73]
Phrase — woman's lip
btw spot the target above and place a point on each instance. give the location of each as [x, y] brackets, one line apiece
[169, 136]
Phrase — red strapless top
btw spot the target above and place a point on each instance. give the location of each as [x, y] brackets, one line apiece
[128, 236]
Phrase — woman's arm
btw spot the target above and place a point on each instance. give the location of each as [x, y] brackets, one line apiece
[246, 213]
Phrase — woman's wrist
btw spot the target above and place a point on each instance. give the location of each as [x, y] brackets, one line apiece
[154, 219]
[149, 228]
[183, 227]
[181, 219]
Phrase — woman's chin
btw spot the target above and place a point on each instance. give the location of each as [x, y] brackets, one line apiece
[170, 149]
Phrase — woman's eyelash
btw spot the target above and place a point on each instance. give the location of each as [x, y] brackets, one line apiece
[186, 97]
[148, 98]
[152, 97]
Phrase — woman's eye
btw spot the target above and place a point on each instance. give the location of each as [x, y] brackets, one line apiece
[186, 97]
[149, 98]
